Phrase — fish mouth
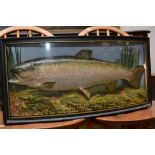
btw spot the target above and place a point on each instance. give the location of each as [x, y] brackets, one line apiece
[14, 81]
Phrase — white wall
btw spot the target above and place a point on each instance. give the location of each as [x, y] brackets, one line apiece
[152, 41]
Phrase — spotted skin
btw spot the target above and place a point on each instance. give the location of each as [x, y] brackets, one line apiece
[70, 74]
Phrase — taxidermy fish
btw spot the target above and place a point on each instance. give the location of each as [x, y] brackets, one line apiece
[80, 72]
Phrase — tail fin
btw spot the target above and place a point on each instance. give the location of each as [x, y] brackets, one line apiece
[137, 75]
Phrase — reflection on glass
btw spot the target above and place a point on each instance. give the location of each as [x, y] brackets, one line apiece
[69, 78]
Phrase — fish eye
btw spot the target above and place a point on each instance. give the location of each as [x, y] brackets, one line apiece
[14, 71]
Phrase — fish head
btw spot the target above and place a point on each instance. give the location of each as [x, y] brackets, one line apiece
[22, 75]
[18, 80]
[17, 77]
[28, 75]
[33, 84]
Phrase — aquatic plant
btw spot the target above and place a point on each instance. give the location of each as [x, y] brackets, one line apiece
[31, 102]
[13, 59]
[75, 102]
[129, 56]
[18, 56]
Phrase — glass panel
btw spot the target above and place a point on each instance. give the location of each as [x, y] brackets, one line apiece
[65, 78]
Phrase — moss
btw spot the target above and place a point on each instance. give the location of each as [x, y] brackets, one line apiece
[116, 101]
[32, 102]
[139, 93]
[75, 102]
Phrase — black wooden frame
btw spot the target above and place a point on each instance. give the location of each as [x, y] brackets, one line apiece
[9, 120]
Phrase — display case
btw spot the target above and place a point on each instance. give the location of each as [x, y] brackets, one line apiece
[63, 78]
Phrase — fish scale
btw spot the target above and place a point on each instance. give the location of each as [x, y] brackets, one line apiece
[71, 73]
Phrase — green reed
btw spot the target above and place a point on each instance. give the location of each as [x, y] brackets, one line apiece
[129, 56]
[13, 58]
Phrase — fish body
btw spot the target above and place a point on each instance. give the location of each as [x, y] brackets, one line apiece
[65, 74]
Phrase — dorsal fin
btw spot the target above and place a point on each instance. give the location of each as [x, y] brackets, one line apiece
[85, 54]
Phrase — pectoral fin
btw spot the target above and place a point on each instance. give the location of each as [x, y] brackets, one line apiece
[85, 92]
[47, 85]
